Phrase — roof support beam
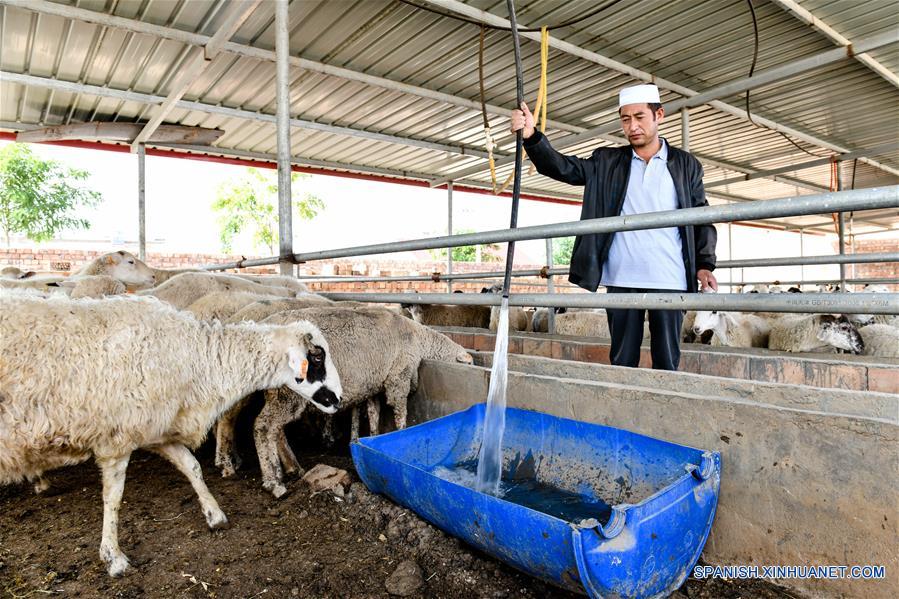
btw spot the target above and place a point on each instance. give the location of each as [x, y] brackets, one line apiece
[195, 65]
[491, 19]
[817, 24]
[197, 39]
[882, 149]
[142, 98]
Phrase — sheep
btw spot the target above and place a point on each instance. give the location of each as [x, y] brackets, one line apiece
[40, 283]
[93, 286]
[276, 281]
[881, 340]
[732, 329]
[861, 320]
[221, 305]
[375, 351]
[121, 265]
[540, 319]
[815, 333]
[184, 289]
[164, 274]
[519, 318]
[103, 378]
[14, 273]
[583, 324]
[262, 309]
[449, 316]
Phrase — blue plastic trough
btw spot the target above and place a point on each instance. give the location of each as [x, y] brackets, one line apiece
[662, 496]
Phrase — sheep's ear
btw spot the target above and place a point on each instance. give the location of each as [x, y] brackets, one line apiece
[109, 260]
[30, 273]
[307, 339]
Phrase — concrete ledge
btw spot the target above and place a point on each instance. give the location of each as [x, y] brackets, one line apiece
[835, 371]
[803, 397]
[799, 486]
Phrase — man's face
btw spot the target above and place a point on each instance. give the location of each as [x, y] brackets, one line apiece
[639, 124]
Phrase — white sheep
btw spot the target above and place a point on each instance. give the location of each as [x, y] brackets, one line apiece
[583, 324]
[375, 351]
[121, 265]
[815, 333]
[15, 273]
[102, 378]
[221, 305]
[732, 329]
[450, 316]
[92, 286]
[276, 281]
[262, 309]
[47, 283]
[519, 318]
[881, 340]
[186, 288]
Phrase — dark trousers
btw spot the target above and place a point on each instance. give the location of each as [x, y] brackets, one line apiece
[626, 328]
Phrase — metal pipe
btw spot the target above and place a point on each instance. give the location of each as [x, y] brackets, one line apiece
[550, 285]
[884, 281]
[141, 202]
[282, 83]
[859, 303]
[811, 260]
[841, 225]
[449, 231]
[859, 199]
[685, 129]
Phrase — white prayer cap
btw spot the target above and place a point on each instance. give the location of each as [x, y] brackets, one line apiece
[639, 94]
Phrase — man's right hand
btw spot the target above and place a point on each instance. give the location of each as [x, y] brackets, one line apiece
[523, 120]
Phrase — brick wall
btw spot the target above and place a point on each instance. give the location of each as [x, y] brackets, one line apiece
[66, 261]
[875, 270]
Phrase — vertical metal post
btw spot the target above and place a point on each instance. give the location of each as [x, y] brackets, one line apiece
[801, 255]
[449, 231]
[841, 225]
[730, 254]
[550, 287]
[141, 202]
[685, 129]
[282, 53]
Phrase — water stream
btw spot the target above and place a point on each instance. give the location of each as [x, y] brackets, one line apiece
[490, 458]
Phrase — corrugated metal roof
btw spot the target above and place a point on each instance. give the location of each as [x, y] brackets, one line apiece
[695, 44]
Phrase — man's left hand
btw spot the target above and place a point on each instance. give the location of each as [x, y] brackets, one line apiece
[706, 280]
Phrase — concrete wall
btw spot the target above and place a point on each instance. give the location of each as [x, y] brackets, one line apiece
[859, 373]
[799, 486]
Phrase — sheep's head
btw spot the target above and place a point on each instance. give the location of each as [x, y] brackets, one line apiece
[127, 268]
[707, 320]
[445, 349]
[839, 332]
[308, 369]
[11, 272]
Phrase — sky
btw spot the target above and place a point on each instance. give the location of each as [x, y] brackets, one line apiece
[179, 194]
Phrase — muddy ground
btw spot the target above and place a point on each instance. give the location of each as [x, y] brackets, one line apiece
[304, 545]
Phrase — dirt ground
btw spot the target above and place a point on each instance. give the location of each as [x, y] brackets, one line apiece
[304, 545]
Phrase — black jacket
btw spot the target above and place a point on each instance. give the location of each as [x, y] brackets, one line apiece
[605, 176]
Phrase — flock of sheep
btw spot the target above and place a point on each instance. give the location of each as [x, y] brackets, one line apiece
[104, 374]
[88, 371]
[822, 333]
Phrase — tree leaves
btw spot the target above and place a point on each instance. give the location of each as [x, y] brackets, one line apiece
[38, 197]
[249, 203]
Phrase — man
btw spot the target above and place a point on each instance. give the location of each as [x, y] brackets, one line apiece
[649, 175]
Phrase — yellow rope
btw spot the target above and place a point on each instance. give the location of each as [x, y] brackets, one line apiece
[539, 108]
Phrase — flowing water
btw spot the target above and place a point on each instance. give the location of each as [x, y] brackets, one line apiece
[491, 456]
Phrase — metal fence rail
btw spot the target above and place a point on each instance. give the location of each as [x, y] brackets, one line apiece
[861, 303]
[438, 277]
[860, 199]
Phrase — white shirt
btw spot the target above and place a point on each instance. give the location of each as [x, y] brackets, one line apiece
[652, 258]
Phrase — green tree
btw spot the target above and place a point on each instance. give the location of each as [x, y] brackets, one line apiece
[249, 203]
[39, 197]
[562, 248]
[469, 253]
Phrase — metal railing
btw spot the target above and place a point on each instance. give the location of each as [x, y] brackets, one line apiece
[862, 303]
[854, 200]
